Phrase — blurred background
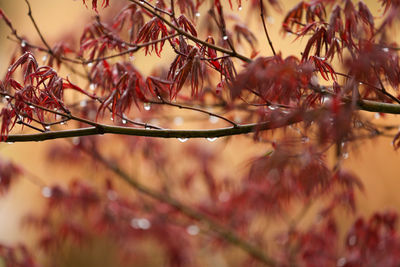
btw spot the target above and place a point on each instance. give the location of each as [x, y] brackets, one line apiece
[374, 161]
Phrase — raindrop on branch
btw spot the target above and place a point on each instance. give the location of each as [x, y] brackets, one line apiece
[212, 139]
[147, 106]
[183, 139]
[197, 14]
[124, 121]
[213, 119]
[225, 37]
[23, 43]
[92, 86]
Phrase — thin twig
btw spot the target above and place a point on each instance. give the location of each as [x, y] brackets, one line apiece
[37, 28]
[191, 37]
[214, 226]
[265, 27]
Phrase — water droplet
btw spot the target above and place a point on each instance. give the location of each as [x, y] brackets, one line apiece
[385, 49]
[123, 45]
[360, 83]
[76, 141]
[83, 103]
[225, 37]
[178, 121]
[44, 58]
[192, 230]
[270, 20]
[23, 43]
[272, 107]
[223, 196]
[352, 240]
[212, 139]
[213, 119]
[31, 107]
[314, 80]
[90, 64]
[377, 115]
[62, 123]
[197, 14]
[345, 155]
[341, 262]
[147, 106]
[240, 8]
[7, 97]
[112, 119]
[325, 99]
[47, 127]
[141, 223]
[124, 121]
[92, 86]
[112, 195]
[46, 192]
[305, 139]
[10, 143]
[183, 139]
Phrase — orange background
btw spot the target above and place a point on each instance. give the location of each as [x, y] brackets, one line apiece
[375, 162]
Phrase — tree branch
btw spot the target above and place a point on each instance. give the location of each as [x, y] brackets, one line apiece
[214, 226]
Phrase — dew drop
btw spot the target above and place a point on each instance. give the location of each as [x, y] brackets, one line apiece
[62, 123]
[212, 139]
[47, 127]
[10, 143]
[197, 14]
[183, 139]
[147, 106]
[193, 230]
[112, 119]
[124, 121]
[92, 86]
[44, 58]
[346, 155]
[385, 49]
[213, 119]
[31, 107]
[46, 192]
[23, 43]
[7, 97]
[240, 8]
[225, 37]
[90, 65]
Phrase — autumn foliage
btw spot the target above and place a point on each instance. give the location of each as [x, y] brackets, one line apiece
[304, 111]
